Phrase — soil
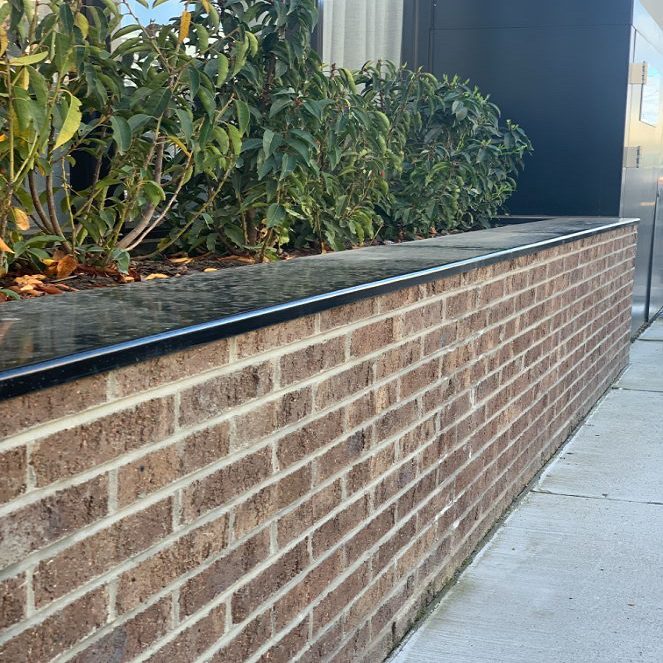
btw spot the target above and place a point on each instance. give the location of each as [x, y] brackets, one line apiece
[25, 284]
[62, 276]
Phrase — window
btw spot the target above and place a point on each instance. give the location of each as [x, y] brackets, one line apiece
[355, 31]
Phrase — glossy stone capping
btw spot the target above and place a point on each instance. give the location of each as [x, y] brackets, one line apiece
[300, 492]
[54, 340]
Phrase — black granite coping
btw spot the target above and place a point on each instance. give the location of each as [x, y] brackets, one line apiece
[53, 340]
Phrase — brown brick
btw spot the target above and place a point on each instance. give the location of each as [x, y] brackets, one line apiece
[366, 604]
[301, 364]
[269, 417]
[461, 303]
[419, 378]
[129, 639]
[136, 585]
[370, 469]
[304, 593]
[170, 367]
[342, 455]
[13, 599]
[399, 298]
[344, 384]
[43, 522]
[13, 473]
[281, 571]
[395, 420]
[370, 534]
[424, 317]
[37, 407]
[372, 337]
[247, 641]
[91, 557]
[362, 409]
[223, 573]
[304, 441]
[61, 631]
[324, 645]
[334, 530]
[293, 523]
[147, 474]
[194, 640]
[75, 450]
[255, 511]
[338, 598]
[216, 396]
[347, 314]
[395, 481]
[395, 360]
[293, 406]
[218, 488]
[288, 646]
[276, 336]
[398, 540]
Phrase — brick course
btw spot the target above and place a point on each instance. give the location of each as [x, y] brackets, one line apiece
[301, 492]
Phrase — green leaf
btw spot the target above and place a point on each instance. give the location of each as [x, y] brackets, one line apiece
[121, 133]
[126, 30]
[155, 194]
[72, 122]
[28, 59]
[276, 215]
[267, 140]
[202, 34]
[240, 52]
[223, 67]
[279, 105]
[66, 18]
[243, 115]
[222, 139]
[158, 102]
[235, 234]
[207, 100]
[186, 122]
[194, 80]
[235, 138]
[138, 121]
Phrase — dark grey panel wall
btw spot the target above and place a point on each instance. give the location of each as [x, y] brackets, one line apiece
[566, 85]
[527, 13]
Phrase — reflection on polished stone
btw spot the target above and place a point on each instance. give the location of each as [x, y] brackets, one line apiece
[64, 327]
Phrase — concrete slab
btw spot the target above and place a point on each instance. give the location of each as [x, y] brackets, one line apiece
[646, 370]
[565, 580]
[614, 456]
[654, 332]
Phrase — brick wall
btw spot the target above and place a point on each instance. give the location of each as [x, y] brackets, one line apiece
[300, 492]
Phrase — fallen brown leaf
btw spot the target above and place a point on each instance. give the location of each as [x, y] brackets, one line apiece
[51, 289]
[151, 277]
[66, 266]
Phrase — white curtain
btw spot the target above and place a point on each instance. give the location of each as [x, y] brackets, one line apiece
[355, 31]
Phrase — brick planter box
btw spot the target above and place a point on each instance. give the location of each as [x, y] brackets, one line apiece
[301, 491]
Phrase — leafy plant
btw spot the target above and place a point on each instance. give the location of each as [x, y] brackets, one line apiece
[224, 128]
[144, 109]
[457, 162]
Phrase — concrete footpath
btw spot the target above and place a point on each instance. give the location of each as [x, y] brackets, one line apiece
[575, 573]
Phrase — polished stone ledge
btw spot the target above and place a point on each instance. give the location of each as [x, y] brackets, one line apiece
[52, 340]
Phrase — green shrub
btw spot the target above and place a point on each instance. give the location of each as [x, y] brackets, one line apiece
[457, 163]
[140, 109]
[224, 128]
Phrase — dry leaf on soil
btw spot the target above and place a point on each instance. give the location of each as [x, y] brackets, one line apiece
[66, 266]
[151, 277]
